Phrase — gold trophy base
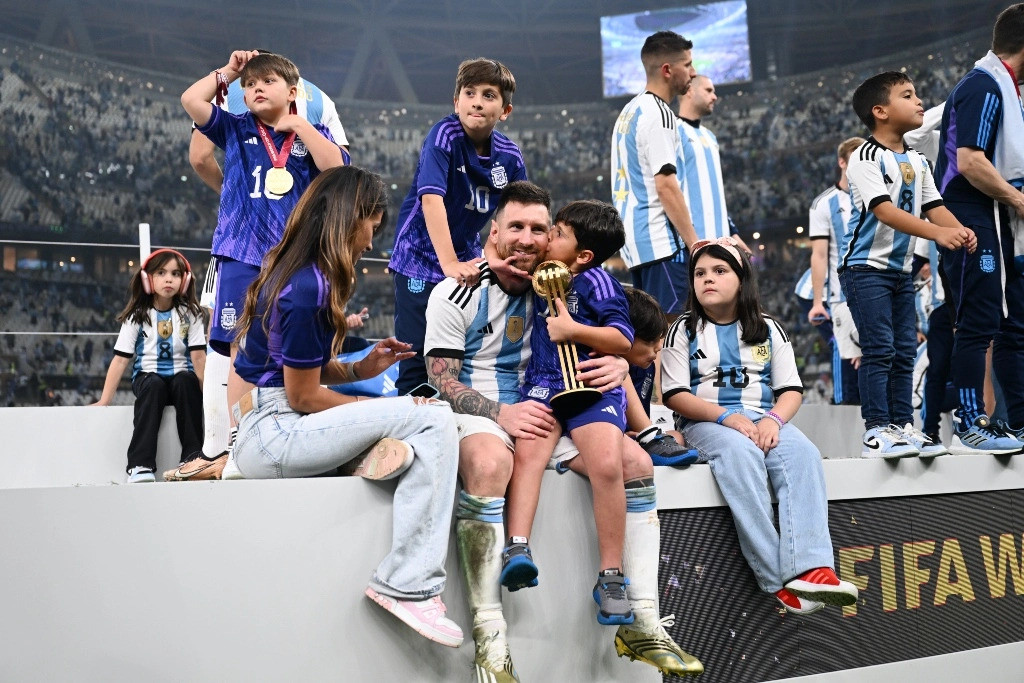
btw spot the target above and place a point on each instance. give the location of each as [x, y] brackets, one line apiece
[572, 401]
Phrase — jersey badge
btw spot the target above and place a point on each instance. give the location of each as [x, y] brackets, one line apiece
[987, 262]
[227, 318]
[416, 285]
[907, 171]
[539, 392]
[299, 149]
[498, 176]
[184, 331]
[761, 353]
[572, 303]
[164, 328]
[514, 328]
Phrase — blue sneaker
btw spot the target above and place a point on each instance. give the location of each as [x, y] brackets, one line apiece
[666, 452]
[610, 596]
[517, 567]
[887, 442]
[983, 436]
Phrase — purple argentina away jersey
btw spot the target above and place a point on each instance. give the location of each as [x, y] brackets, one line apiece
[300, 332]
[251, 220]
[597, 300]
[471, 186]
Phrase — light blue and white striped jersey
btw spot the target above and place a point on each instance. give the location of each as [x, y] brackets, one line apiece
[720, 368]
[878, 174]
[484, 327]
[830, 213]
[644, 142]
[310, 103]
[164, 344]
[700, 177]
[804, 288]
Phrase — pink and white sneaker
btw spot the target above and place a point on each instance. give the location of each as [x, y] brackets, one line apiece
[795, 604]
[822, 585]
[426, 617]
[386, 459]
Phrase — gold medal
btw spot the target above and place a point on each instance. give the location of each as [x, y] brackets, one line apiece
[279, 181]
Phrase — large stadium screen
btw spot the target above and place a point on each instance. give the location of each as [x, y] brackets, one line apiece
[721, 43]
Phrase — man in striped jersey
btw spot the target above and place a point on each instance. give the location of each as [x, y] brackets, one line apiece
[646, 149]
[477, 349]
[892, 190]
[700, 168]
[826, 226]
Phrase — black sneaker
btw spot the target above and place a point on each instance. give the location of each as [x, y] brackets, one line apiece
[666, 451]
[517, 567]
[610, 596]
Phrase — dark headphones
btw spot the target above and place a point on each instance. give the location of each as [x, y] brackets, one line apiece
[186, 277]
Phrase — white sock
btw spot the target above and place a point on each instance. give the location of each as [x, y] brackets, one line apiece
[640, 558]
[215, 405]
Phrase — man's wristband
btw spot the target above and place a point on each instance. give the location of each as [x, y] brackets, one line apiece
[772, 415]
[723, 416]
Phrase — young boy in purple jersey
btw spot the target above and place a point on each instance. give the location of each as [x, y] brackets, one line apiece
[595, 317]
[270, 157]
[463, 167]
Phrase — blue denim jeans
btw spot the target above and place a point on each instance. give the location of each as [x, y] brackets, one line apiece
[274, 441]
[748, 478]
[882, 305]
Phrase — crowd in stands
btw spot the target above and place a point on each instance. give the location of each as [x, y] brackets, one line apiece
[98, 149]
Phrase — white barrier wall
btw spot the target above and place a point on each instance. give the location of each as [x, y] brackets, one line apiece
[263, 580]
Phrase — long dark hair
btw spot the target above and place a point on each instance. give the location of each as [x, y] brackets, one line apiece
[748, 304]
[320, 230]
[139, 303]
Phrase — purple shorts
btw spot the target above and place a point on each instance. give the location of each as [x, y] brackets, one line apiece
[611, 408]
[233, 279]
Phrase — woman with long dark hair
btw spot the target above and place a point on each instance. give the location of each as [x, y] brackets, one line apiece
[291, 425]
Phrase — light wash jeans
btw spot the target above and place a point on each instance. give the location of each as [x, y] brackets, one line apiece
[274, 441]
[747, 478]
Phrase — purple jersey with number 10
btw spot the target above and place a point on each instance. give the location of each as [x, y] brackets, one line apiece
[471, 186]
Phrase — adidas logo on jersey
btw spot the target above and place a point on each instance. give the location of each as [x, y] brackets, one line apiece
[462, 169]
[698, 355]
[611, 410]
[252, 141]
[486, 329]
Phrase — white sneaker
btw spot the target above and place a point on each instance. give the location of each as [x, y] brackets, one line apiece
[231, 470]
[141, 475]
[922, 442]
[886, 442]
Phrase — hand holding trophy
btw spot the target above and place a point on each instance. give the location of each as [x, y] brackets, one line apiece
[552, 280]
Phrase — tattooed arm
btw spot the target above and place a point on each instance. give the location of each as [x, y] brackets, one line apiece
[524, 420]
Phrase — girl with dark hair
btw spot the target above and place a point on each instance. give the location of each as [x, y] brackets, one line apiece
[162, 327]
[291, 425]
[729, 373]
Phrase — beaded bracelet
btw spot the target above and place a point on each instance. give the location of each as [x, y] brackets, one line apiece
[772, 415]
[723, 416]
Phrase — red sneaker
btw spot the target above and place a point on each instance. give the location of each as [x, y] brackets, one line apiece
[822, 585]
[796, 604]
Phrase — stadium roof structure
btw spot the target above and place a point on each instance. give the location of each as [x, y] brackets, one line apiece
[408, 50]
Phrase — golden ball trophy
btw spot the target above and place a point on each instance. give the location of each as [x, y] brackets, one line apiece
[552, 280]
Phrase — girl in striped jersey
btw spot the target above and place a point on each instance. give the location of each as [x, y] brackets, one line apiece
[729, 374]
[162, 327]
